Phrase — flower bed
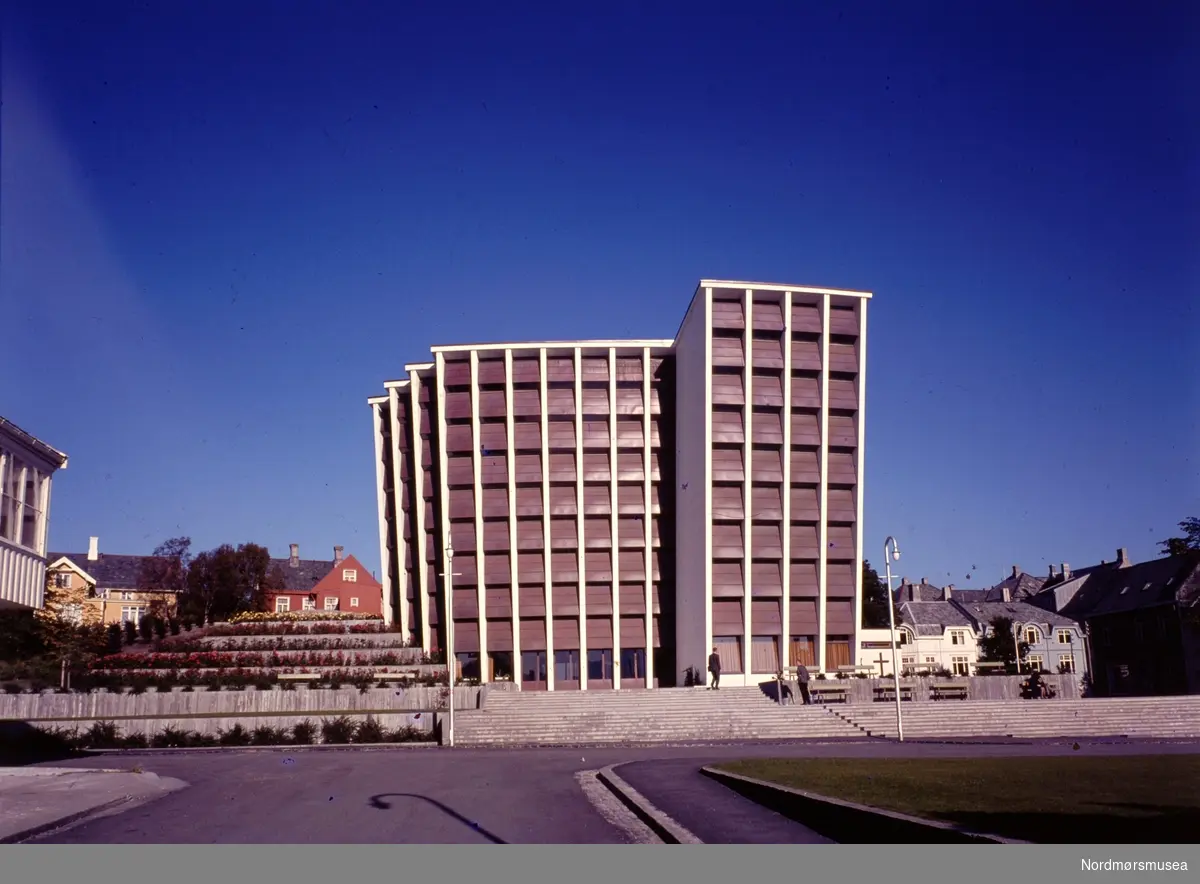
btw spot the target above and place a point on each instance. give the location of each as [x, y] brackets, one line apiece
[240, 679]
[256, 659]
[231, 629]
[282, 643]
[300, 616]
[340, 730]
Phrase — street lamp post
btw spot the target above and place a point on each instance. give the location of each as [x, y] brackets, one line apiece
[449, 576]
[887, 564]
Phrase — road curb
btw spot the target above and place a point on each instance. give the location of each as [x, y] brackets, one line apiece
[319, 747]
[846, 822]
[67, 820]
[661, 824]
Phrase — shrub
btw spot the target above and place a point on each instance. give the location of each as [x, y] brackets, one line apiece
[269, 736]
[304, 733]
[101, 735]
[145, 628]
[200, 741]
[138, 684]
[12, 688]
[160, 628]
[174, 626]
[131, 632]
[337, 730]
[112, 639]
[136, 741]
[235, 736]
[335, 681]
[369, 731]
[170, 737]
[187, 624]
[264, 681]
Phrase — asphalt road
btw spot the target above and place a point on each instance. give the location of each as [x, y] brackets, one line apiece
[434, 796]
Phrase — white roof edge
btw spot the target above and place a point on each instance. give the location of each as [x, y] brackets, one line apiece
[40, 448]
[418, 366]
[395, 385]
[377, 400]
[780, 287]
[637, 343]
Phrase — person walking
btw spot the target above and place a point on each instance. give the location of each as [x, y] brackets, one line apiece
[802, 678]
[714, 667]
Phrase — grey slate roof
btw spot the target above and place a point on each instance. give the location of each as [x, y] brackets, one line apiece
[307, 573]
[984, 613]
[932, 618]
[125, 572]
[110, 572]
[1113, 590]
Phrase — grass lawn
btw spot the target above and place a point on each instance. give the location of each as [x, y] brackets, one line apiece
[1063, 800]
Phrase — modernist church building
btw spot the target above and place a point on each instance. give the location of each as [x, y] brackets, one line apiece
[605, 513]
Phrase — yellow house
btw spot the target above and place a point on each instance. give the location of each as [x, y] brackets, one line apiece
[115, 585]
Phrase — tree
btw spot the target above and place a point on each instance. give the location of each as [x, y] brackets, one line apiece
[1000, 644]
[71, 629]
[226, 580]
[1190, 542]
[875, 614]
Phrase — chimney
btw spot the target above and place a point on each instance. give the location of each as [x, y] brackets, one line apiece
[1006, 594]
[904, 581]
[1122, 558]
[1016, 571]
[337, 554]
[1051, 572]
[1066, 571]
[93, 549]
[294, 560]
[924, 581]
[947, 593]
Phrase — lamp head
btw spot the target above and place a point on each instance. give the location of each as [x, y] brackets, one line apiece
[896, 553]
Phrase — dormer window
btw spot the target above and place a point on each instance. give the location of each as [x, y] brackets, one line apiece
[349, 575]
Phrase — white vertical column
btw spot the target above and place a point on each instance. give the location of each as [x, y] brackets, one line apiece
[480, 555]
[513, 544]
[647, 515]
[748, 490]
[547, 557]
[420, 529]
[385, 558]
[44, 528]
[708, 441]
[615, 521]
[858, 490]
[823, 530]
[401, 585]
[579, 520]
[442, 505]
[785, 651]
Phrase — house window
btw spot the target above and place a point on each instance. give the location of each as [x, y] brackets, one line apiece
[131, 614]
[533, 665]
[1035, 662]
[73, 614]
[930, 661]
[1032, 636]
[958, 637]
[309, 604]
[960, 665]
[331, 603]
[349, 575]
[127, 597]
[1066, 663]
[62, 580]
[802, 651]
[633, 663]
[283, 605]
[353, 601]
[764, 654]
[1064, 636]
[908, 660]
[729, 652]
[903, 637]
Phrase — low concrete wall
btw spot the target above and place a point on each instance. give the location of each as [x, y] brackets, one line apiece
[987, 687]
[63, 708]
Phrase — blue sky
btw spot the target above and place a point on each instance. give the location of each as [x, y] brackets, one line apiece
[224, 225]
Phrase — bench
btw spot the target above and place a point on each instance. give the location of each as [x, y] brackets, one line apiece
[299, 676]
[400, 675]
[952, 691]
[888, 692]
[819, 692]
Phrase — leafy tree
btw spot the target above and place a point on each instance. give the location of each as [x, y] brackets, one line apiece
[226, 580]
[70, 628]
[874, 599]
[21, 637]
[1189, 542]
[131, 631]
[1000, 644]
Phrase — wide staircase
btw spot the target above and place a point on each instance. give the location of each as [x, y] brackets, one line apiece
[1133, 717]
[667, 715]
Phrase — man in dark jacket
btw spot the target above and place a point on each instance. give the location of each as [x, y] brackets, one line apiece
[802, 678]
[714, 666]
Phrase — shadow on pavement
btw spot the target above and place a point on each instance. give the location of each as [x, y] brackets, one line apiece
[22, 744]
[378, 802]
